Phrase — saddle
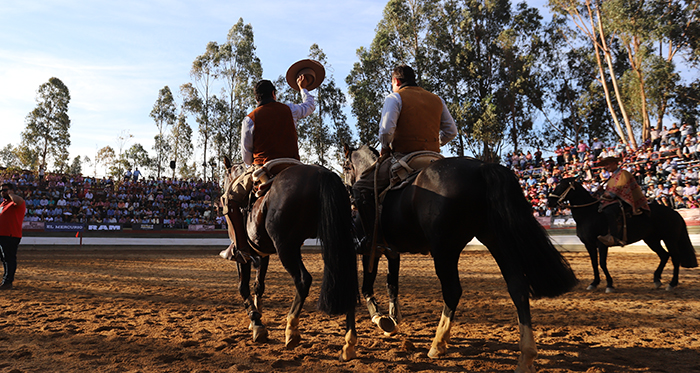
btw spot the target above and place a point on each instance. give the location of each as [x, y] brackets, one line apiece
[404, 170]
[257, 206]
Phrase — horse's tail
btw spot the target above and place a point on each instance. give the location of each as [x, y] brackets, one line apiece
[522, 237]
[683, 250]
[339, 284]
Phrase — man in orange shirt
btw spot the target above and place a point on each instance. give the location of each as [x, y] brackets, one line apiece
[12, 211]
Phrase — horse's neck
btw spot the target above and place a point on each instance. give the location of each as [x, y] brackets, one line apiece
[581, 197]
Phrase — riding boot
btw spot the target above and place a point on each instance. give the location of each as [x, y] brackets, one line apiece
[242, 251]
[364, 201]
[612, 215]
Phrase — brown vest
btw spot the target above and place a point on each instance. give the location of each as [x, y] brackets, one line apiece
[274, 134]
[418, 126]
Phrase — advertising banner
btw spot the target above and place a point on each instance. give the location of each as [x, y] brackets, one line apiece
[33, 225]
[201, 227]
[563, 221]
[104, 227]
[63, 227]
[147, 227]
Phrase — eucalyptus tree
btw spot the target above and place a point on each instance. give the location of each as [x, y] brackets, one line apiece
[47, 126]
[164, 113]
[75, 167]
[8, 157]
[137, 156]
[106, 157]
[180, 141]
[322, 133]
[239, 68]
[197, 95]
[486, 64]
[400, 39]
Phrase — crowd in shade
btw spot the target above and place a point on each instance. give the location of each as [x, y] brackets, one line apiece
[666, 167]
[171, 203]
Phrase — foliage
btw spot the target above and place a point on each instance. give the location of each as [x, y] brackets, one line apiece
[164, 114]
[47, 127]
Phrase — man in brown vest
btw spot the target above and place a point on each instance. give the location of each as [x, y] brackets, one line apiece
[413, 119]
[267, 133]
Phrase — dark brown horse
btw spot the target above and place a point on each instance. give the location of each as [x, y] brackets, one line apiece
[305, 202]
[664, 224]
[454, 200]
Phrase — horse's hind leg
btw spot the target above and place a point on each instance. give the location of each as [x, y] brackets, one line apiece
[348, 352]
[386, 324]
[656, 247]
[603, 252]
[302, 282]
[446, 268]
[392, 284]
[593, 254]
[256, 325]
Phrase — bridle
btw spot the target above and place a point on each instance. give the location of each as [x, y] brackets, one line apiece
[562, 197]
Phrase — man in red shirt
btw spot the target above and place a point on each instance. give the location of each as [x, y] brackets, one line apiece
[12, 211]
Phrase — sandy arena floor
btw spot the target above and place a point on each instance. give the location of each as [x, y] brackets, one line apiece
[158, 311]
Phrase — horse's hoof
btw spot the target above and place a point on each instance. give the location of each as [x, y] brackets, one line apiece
[657, 284]
[609, 290]
[386, 324]
[292, 341]
[395, 331]
[591, 287]
[259, 333]
[436, 352]
[347, 354]
[670, 288]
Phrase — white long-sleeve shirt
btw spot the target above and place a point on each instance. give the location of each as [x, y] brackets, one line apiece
[248, 127]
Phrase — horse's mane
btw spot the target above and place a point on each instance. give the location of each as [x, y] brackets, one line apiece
[364, 157]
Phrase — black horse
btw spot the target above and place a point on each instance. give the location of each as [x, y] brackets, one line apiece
[664, 224]
[454, 200]
[304, 202]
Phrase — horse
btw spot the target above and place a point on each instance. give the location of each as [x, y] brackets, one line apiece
[449, 203]
[664, 224]
[303, 201]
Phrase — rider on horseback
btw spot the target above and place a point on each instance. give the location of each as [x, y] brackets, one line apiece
[267, 133]
[413, 119]
[621, 187]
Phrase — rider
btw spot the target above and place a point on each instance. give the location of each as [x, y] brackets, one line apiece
[621, 186]
[267, 133]
[413, 119]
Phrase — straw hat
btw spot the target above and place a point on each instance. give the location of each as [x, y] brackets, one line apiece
[609, 160]
[313, 70]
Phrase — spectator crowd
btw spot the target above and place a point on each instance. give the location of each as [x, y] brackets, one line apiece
[666, 168]
[170, 203]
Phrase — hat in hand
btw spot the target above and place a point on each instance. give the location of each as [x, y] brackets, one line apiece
[312, 70]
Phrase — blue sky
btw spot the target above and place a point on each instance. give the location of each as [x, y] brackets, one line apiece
[114, 56]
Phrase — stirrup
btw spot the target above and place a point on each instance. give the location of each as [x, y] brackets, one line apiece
[243, 258]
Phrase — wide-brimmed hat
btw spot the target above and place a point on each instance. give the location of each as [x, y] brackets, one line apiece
[609, 160]
[313, 70]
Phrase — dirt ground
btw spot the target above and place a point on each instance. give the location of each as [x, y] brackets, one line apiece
[174, 311]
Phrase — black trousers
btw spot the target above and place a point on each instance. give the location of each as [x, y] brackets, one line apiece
[8, 254]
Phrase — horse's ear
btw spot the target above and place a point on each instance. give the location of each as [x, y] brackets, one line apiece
[347, 150]
[227, 162]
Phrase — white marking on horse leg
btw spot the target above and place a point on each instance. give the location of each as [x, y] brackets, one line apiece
[293, 337]
[442, 338]
[528, 350]
[394, 312]
[348, 352]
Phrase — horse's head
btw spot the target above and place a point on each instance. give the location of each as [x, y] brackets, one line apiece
[560, 193]
[357, 161]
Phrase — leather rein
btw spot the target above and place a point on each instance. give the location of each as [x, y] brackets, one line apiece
[561, 203]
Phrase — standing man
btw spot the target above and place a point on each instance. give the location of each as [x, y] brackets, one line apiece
[137, 174]
[621, 186]
[268, 132]
[12, 211]
[413, 119]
